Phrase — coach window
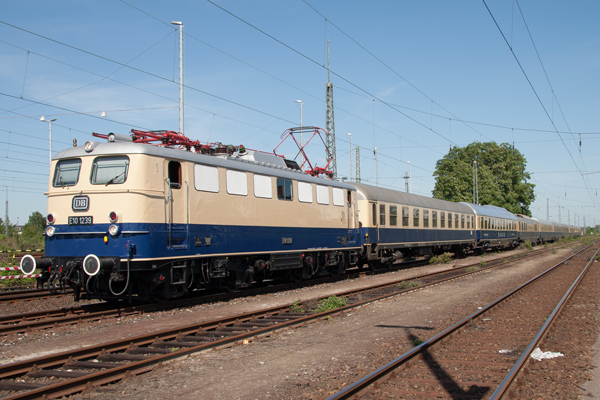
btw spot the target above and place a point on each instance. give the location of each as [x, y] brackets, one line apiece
[449, 220]
[442, 219]
[109, 170]
[382, 214]
[434, 219]
[66, 173]
[425, 218]
[416, 217]
[456, 221]
[393, 215]
[462, 221]
[405, 216]
[468, 222]
[284, 189]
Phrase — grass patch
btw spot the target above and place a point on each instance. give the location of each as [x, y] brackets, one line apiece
[482, 263]
[472, 269]
[526, 245]
[297, 307]
[331, 303]
[441, 259]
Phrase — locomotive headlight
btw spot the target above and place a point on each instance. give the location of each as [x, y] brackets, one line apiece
[50, 231]
[113, 216]
[113, 230]
[89, 146]
[50, 219]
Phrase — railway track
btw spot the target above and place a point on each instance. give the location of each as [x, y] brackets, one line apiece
[46, 319]
[480, 356]
[74, 371]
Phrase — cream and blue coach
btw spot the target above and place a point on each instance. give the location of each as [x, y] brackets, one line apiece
[130, 220]
[496, 227]
[395, 224]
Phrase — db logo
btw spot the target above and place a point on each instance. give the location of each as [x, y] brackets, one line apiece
[80, 203]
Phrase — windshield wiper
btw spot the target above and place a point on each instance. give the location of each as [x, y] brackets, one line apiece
[113, 179]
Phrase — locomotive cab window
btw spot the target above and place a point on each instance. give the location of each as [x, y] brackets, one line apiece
[66, 173]
[175, 174]
[284, 189]
[109, 170]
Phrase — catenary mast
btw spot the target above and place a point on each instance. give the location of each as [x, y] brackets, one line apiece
[329, 121]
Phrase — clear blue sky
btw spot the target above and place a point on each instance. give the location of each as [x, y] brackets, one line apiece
[410, 78]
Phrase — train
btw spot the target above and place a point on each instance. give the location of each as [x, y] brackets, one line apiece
[132, 220]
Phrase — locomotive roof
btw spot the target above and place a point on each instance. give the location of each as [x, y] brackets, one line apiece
[491, 211]
[368, 192]
[261, 163]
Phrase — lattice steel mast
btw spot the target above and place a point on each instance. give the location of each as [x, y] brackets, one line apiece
[330, 122]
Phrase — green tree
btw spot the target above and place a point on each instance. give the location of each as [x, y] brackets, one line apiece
[502, 179]
[33, 230]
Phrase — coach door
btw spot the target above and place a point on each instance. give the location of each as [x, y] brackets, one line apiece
[177, 205]
[375, 220]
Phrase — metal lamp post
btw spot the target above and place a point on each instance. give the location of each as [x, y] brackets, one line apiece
[49, 121]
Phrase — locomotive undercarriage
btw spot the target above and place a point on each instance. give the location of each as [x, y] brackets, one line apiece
[112, 279]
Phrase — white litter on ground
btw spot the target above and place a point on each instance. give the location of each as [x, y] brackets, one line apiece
[541, 355]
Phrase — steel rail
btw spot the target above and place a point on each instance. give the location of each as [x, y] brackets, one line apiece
[519, 365]
[37, 320]
[392, 365]
[229, 324]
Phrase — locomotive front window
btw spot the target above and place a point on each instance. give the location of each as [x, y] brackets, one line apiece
[109, 170]
[66, 173]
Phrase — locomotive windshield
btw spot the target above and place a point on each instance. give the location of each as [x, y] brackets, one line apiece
[109, 170]
[66, 173]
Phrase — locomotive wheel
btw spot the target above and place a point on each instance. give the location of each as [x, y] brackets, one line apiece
[374, 265]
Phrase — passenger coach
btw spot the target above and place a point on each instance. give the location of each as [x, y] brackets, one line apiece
[395, 224]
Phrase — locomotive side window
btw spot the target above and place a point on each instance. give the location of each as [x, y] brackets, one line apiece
[109, 170]
[284, 189]
[382, 214]
[237, 183]
[416, 217]
[175, 174]
[206, 179]
[434, 219]
[442, 219]
[305, 192]
[405, 216]
[322, 195]
[66, 173]
[393, 215]
[338, 197]
[425, 218]
[262, 187]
